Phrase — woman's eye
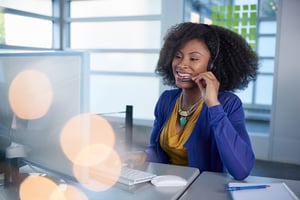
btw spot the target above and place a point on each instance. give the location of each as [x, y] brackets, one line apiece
[177, 56]
[194, 59]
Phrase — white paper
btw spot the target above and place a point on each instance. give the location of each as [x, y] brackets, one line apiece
[276, 191]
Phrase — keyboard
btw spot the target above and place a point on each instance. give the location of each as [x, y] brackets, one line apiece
[127, 176]
[130, 176]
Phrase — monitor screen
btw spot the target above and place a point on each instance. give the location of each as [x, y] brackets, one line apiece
[41, 134]
[6, 116]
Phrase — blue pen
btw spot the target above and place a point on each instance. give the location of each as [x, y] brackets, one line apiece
[251, 187]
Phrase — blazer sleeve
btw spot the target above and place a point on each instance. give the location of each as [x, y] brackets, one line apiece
[232, 139]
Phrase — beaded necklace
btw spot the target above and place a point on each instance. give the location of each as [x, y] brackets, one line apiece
[184, 114]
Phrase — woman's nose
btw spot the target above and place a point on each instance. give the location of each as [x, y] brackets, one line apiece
[183, 63]
[182, 66]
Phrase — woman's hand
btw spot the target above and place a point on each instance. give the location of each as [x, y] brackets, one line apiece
[209, 87]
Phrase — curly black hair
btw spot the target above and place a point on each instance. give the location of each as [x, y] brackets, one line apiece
[234, 62]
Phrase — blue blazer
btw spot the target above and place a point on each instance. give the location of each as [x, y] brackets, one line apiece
[219, 141]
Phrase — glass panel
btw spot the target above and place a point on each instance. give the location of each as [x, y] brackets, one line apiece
[126, 62]
[112, 94]
[268, 8]
[264, 90]
[246, 95]
[116, 35]
[241, 2]
[268, 27]
[27, 31]
[266, 46]
[43, 7]
[240, 17]
[106, 8]
[266, 66]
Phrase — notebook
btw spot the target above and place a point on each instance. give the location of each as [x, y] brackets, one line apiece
[275, 191]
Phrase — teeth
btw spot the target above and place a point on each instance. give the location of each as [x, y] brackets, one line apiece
[184, 75]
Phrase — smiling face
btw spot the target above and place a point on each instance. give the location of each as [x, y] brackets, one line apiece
[189, 61]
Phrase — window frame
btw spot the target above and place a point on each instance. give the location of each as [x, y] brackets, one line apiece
[56, 23]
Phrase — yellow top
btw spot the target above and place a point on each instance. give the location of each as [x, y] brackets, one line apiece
[172, 142]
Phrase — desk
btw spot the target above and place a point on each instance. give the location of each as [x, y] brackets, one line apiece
[211, 185]
[140, 191]
[147, 190]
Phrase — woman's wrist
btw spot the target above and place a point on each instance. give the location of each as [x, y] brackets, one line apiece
[212, 103]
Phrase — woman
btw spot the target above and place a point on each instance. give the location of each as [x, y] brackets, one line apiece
[201, 123]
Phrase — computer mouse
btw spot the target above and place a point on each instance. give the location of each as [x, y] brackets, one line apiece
[168, 181]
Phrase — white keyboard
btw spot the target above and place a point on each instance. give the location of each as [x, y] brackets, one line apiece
[131, 176]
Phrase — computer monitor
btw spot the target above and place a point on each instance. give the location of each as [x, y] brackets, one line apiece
[41, 136]
[6, 116]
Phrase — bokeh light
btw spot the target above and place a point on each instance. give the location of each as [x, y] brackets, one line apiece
[30, 94]
[82, 137]
[102, 176]
[73, 193]
[93, 154]
[39, 187]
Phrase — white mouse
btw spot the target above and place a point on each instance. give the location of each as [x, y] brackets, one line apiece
[168, 181]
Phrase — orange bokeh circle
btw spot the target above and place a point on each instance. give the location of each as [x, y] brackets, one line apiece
[30, 94]
[38, 187]
[71, 193]
[93, 154]
[82, 131]
[101, 176]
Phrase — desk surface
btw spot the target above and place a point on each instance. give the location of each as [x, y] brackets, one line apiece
[211, 185]
[140, 191]
[147, 190]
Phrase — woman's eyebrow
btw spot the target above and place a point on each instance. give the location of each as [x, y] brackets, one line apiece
[196, 52]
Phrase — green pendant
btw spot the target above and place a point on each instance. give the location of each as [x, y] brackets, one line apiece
[182, 121]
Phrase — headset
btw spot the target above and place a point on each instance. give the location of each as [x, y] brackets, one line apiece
[210, 65]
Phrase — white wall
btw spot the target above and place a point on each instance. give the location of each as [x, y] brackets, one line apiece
[285, 123]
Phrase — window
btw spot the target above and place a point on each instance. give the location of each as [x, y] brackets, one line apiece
[27, 24]
[113, 8]
[16, 27]
[43, 7]
[123, 40]
[114, 62]
[115, 35]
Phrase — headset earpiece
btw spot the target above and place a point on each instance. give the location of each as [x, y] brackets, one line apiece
[210, 65]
